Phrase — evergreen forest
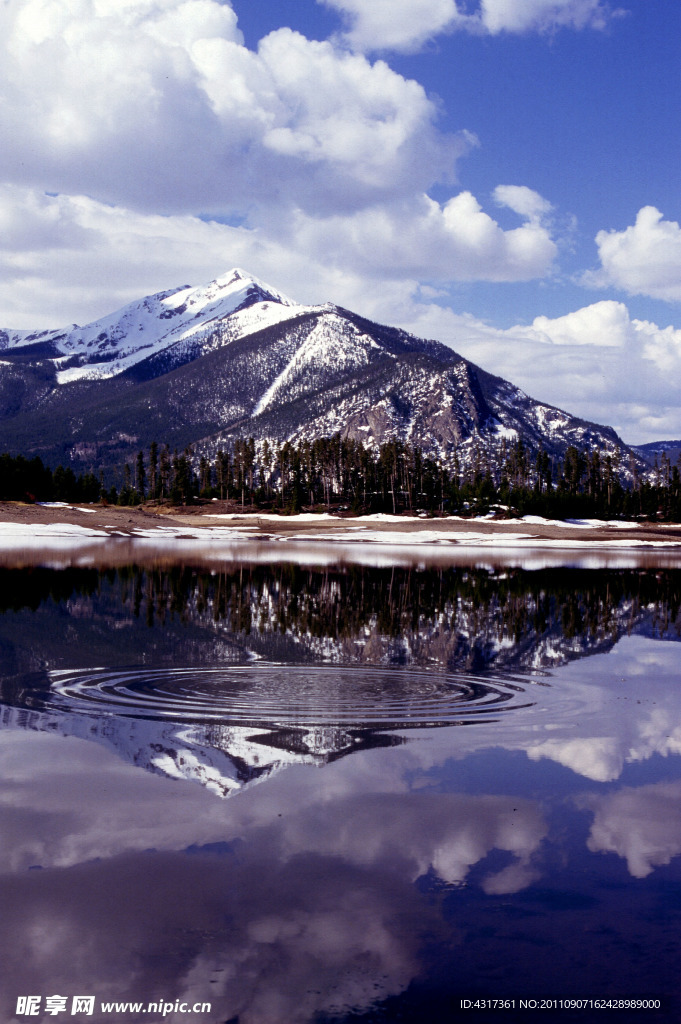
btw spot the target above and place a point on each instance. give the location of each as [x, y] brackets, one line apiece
[339, 474]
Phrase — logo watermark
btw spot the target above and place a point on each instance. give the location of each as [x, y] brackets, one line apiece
[85, 1006]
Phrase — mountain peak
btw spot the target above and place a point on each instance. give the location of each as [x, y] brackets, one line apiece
[235, 274]
[237, 282]
[114, 343]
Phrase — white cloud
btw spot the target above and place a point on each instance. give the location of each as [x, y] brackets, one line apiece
[156, 111]
[603, 324]
[644, 259]
[594, 757]
[543, 15]
[332, 917]
[405, 25]
[524, 201]
[422, 238]
[70, 258]
[449, 834]
[157, 104]
[402, 25]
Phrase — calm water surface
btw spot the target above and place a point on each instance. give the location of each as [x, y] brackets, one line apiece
[330, 793]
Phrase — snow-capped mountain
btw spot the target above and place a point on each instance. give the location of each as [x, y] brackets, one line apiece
[237, 358]
[143, 329]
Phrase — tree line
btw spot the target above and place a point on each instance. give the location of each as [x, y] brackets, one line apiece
[352, 601]
[23, 479]
[336, 473]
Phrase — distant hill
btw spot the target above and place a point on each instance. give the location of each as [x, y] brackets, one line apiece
[655, 449]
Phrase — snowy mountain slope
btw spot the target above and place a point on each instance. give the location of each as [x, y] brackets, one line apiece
[116, 342]
[451, 410]
[331, 345]
[225, 760]
[237, 358]
[541, 424]
[415, 399]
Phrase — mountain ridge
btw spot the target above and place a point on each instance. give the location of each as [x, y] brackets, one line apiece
[204, 366]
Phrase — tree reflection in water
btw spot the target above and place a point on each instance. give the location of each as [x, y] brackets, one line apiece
[458, 618]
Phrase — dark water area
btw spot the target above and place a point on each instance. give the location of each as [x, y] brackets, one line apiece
[305, 794]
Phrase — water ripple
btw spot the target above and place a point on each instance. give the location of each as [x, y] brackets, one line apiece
[288, 695]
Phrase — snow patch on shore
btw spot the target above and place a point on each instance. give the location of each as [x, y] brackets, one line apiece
[300, 517]
[38, 535]
[472, 539]
[581, 524]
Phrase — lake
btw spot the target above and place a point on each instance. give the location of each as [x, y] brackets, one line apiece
[272, 787]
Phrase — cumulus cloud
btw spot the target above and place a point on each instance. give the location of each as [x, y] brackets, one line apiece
[402, 25]
[594, 757]
[321, 904]
[55, 252]
[446, 833]
[157, 104]
[405, 25]
[614, 736]
[604, 323]
[524, 201]
[456, 240]
[133, 122]
[67, 259]
[644, 259]
[608, 324]
[127, 123]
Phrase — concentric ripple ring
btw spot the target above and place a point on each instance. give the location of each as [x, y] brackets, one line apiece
[288, 695]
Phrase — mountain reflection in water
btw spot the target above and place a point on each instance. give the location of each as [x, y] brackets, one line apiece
[443, 783]
[460, 618]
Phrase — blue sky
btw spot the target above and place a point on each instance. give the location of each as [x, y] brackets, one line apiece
[502, 175]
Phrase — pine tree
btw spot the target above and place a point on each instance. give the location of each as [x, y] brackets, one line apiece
[222, 469]
[205, 482]
[164, 471]
[266, 464]
[153, 469]
[140, 475]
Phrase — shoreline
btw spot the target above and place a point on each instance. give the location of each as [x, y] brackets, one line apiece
[23, 523]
